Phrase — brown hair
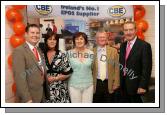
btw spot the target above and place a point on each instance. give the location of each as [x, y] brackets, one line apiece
[47, 36]
[78, 34]
[130, 23]
[31, 26]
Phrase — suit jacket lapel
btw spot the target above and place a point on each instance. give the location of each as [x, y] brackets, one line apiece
[42, 58]
[124, 52]
[96, 59]
[108, 55]
[107, 51]
[30, 53]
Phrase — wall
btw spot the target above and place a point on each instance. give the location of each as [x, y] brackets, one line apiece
[150, 33]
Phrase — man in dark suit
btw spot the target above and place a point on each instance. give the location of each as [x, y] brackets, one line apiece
[135, 65]
[29, 68]
[48, 29]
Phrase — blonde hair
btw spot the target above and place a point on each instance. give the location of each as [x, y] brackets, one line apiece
[102, 31]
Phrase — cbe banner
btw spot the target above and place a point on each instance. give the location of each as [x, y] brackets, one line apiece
[83, 12]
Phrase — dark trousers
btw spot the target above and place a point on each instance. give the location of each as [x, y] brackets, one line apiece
[125, 97]
[102, 94]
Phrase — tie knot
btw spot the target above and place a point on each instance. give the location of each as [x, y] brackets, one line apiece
[34, 49]
[129, 43]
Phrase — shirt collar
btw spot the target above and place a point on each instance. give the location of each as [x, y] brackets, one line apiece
[132, 41]
[30, 45]
[101, 48]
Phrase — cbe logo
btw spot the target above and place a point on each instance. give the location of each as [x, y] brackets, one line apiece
[43, 9]
[116, 11]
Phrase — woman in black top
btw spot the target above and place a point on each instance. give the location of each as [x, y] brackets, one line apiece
[58, 70]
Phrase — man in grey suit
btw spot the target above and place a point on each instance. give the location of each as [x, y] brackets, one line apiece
[29, 68]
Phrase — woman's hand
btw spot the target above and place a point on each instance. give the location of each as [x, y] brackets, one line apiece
[61, 77]
[51, 79]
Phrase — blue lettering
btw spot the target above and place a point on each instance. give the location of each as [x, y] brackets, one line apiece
[43, 7]
[121, 10]
[116, 10]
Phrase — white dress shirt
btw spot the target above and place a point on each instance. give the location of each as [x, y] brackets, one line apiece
[102, 55]
[31, 48]
[131, 42]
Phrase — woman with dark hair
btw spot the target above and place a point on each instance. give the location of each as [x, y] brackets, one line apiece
[81, 81]
[58, 70]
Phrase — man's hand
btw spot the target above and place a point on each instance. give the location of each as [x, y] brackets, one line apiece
[115, 87]
[141, 91]
[30, 101]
